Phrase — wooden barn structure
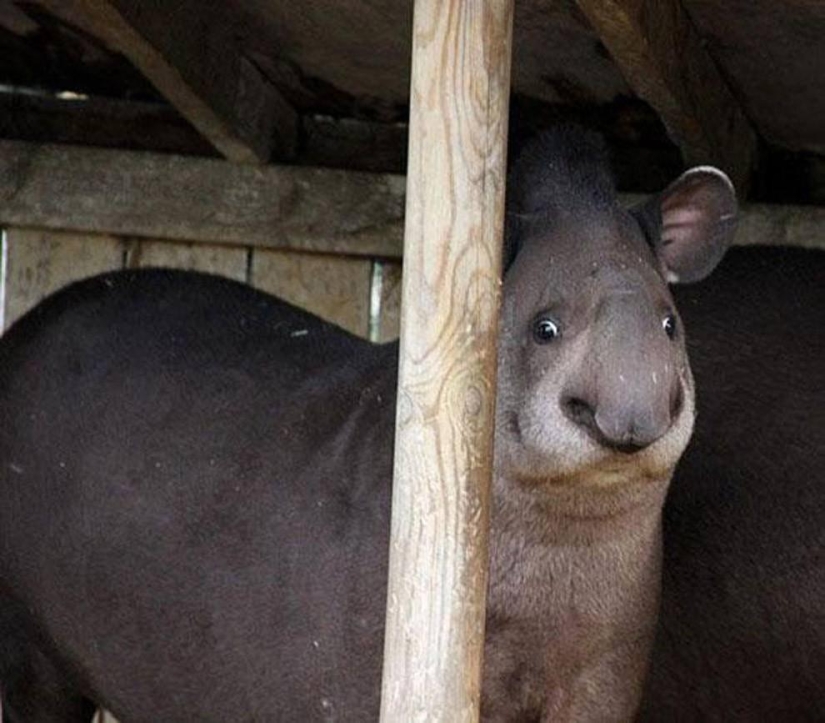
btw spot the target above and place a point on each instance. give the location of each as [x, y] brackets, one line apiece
[267, 141]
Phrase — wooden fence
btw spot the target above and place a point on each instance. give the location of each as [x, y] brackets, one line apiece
[359, 294]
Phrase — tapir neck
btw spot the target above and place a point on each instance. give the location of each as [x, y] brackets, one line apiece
[582, 593]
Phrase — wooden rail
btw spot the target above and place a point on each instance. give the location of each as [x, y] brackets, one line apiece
[449, 318]
[160, 196]
[175, 198]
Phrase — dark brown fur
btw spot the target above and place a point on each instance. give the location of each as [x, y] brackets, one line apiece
[742, 631]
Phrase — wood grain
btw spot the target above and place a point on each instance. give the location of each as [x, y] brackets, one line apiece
[664, 60]
[209, 258]
[337, 289]
[388, 322]
[40, 262]
[444, 427]
[188, 199]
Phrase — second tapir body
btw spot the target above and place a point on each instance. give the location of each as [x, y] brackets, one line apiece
[194, 477]
[741, 634]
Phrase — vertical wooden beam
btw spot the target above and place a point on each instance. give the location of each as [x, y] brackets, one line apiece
[449, 318]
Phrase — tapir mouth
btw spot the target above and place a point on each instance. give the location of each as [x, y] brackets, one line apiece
[626, 432]
[629, 447]
[514, 427]
[582, 459]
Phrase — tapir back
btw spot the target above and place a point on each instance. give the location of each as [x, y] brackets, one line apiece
[155, 509]
[742, 625]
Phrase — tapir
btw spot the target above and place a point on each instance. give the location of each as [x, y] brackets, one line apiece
[742, 624]
[195, 476]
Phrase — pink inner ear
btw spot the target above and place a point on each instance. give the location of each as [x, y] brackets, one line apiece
[698, 213]
[684, 215]
[681, 222]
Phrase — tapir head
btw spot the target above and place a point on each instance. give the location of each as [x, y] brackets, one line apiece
[593, 373]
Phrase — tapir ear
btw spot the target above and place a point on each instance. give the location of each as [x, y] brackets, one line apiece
[691, 223]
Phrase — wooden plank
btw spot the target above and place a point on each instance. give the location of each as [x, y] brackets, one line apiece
[40, 262]
[662, 57]
[769, 225]
[388, 322]
[188, 51]
[172, 197]
[444, 428]
[337, 289]
[211, 259]
[168, 197]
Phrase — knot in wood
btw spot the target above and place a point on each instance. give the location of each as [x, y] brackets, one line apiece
[473, 401]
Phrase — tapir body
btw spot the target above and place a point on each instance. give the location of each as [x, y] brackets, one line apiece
[742, 624]
[157, 542]
[194, 476]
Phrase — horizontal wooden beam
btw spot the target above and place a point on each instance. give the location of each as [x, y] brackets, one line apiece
[180, 198]
[41, 117]
[196, 199]
[663, 59]
[768, 225]
[187, 50]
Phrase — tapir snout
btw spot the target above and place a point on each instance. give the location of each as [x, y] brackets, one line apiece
[627, 392]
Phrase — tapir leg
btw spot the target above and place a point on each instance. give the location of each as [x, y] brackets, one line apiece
[35, 694]
[33, 688]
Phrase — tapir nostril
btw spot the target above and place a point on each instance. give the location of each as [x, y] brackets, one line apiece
[579, 412]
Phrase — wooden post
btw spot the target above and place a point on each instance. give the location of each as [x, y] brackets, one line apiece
[449, 319]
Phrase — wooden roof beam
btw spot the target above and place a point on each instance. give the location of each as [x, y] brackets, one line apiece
[662, 57]
[192, 59]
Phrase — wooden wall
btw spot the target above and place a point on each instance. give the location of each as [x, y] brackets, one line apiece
[360, 294]
[357, 293]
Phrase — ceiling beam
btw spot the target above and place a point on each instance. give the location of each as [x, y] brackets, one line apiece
[663, 59]
[187, 50]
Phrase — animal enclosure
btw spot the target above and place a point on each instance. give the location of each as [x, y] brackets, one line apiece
[358, 293]
[361, 295]
[266, 142]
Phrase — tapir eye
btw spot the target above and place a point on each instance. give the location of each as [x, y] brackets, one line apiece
[669, 325]
[546, 329]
